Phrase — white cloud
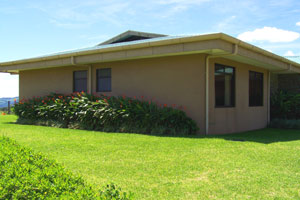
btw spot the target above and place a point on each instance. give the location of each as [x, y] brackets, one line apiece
[298, 24]
[9, 85]
[269, 34]
[289, 53]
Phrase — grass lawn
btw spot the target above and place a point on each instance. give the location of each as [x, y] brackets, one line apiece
[266, 165]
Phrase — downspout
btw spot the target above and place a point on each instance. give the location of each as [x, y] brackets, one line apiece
[90, 79]
[73, 60]
[235, 52]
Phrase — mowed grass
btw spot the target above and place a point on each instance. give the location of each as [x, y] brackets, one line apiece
[262, 164]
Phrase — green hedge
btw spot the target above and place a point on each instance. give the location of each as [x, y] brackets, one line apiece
[109, 114]
[285, 105]
[285, 123]
[28, 175]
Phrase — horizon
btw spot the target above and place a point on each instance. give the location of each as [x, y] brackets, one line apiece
[55, 26]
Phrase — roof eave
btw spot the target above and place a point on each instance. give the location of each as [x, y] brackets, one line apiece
[171, 41]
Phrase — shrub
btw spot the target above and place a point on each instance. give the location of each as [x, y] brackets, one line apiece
[28, 175]
[109, 114]
[285, 123]
[285, 105]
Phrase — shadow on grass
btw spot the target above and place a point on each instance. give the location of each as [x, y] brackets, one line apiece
[265, 136]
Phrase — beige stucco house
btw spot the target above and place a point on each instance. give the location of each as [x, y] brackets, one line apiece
[223, 82]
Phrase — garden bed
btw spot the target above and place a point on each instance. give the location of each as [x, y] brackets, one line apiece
[108, 114]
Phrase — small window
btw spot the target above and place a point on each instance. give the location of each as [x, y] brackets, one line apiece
[224, 86]
[256, 94]
[104, 80]
[80, 81]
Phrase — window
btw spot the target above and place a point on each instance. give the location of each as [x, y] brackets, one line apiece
[224, 86]
[104, 80]
[80, 81]
[256, 88]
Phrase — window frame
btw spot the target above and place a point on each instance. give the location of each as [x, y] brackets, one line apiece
[80, 79]
[97, 79]
[234, 79]
[262, 89]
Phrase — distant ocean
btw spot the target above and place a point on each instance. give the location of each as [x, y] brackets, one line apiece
[3, 101]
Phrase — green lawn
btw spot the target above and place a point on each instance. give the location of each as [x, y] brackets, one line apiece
[266, 165]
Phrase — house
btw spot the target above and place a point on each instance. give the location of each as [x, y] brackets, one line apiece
[223, 82]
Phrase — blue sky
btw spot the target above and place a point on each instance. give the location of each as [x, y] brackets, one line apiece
[34, 27]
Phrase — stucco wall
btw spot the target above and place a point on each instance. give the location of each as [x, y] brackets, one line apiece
[169, 80]
[176, 80]
[44, 81]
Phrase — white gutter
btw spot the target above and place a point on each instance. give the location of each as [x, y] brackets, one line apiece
[235, 51]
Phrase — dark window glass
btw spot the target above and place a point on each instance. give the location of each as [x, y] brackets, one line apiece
[256, 94]
[80, 81]
[224, 86]
[104, 80]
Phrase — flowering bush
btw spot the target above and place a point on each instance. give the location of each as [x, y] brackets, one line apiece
[103, 113]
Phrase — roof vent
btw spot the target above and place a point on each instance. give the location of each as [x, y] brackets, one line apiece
[131, 36]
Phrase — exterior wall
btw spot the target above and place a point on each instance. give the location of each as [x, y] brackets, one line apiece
[169, 80]
[44, 81]
[241, 117]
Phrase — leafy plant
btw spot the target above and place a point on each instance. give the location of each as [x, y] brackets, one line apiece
[28, 175]
[103, 113]
[285, 105]
[285, 123]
